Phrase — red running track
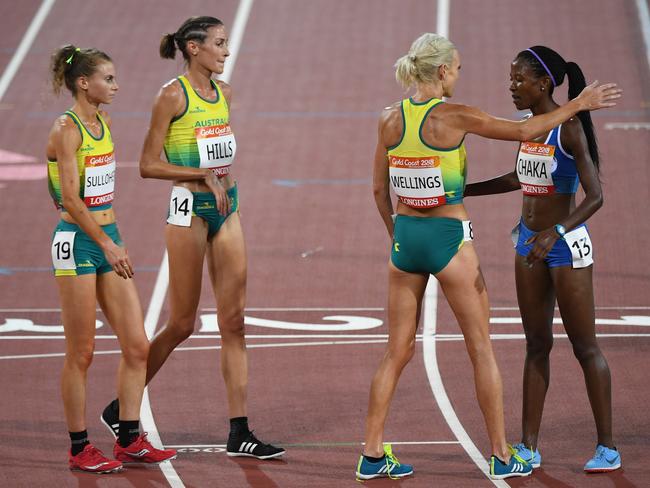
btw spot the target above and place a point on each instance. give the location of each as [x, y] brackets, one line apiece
[309, 82]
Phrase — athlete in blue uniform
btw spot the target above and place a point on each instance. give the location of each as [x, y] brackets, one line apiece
[554, 253]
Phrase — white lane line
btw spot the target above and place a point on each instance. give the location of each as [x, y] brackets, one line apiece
[162, 280]
[644, 19]
[429, 339]
[322, 444]
[380, 339]
[306, 309]
[429, 312]
[25, 45]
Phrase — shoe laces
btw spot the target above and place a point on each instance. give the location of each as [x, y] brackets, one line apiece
[514, 454]
[600, 452]
[91, 452]
[391, 460]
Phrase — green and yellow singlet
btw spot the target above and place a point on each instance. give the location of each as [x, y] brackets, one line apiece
[201, 136]
[96, 167]
[421, 175]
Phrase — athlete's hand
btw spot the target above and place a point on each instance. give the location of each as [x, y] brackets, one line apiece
[220, 194]
[542, 243]
[595, 96]
[118, 258]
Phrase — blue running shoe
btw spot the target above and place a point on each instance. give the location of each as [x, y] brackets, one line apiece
[533, 458]
[516, 467]
[604, 460]
[388, 467]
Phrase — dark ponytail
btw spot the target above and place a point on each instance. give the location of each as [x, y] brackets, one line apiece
[543, 61]
[168, 47]
[70, 62]
[193, 29]
[577, 83]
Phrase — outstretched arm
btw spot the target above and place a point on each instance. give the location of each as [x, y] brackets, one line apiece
[475, 121]
[501, 184]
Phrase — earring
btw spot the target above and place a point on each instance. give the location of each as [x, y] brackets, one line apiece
[542, 88]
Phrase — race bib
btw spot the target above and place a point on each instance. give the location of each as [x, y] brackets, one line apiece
[581, 248]
[217, 148]
[468, 232]
[417, 182]
[99, 179]
[535, 163]
[180, 207]
[63, 250]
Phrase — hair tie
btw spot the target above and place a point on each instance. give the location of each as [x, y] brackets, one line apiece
[69, 60]
[412, 57]
[543, 65]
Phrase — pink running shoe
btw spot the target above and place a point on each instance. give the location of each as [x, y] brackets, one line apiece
[141, 451]
[92, 460]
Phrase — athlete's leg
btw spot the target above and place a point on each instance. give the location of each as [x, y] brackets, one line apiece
[78, 304]
[119, 301]
[405, 291]
[227, 267]
[575, 298]
[463, 285]
[536, 298]
[186, 249]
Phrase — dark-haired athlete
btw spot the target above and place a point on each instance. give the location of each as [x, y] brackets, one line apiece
[554, 253]
[191, 122]
[90, 261]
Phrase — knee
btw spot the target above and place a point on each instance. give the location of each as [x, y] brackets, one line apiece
[231, 323]
[137, 352]
[586, 352]
[401, 353]
[539, 347]
[181, 328]
[81, 358]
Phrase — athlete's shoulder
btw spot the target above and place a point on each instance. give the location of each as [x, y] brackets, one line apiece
[391, 113]
[171, 93]
[65, 131]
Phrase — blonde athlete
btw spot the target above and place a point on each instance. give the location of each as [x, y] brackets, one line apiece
[421, 155]
[191, 123]
[90, 261]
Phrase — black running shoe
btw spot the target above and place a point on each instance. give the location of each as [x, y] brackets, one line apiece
[111, 418]
[250, 446]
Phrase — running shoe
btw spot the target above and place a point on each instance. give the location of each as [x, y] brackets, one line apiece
[110, 417]
[92, 460]
[388, 467]
[141, 451]
[604, 460]
[250, 446]
[516, 467]
[534, 458]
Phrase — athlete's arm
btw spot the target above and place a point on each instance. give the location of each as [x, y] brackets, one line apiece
[66, 141]
[575, 142]
[380, 182]
[169, 103]
[475, 121]
[500, 184]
